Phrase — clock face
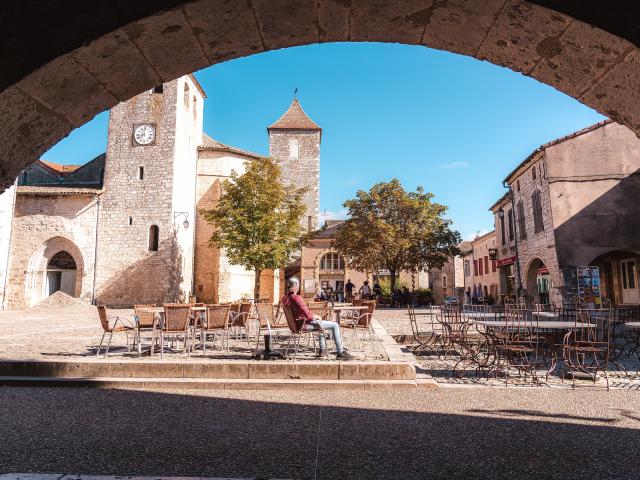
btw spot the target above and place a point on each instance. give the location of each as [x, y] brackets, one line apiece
[144, 134]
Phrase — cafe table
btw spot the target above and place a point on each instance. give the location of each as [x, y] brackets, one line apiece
[343, 308]
[483, 315]
[157, 312]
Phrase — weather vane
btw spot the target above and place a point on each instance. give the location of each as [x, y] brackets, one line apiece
[295, 93]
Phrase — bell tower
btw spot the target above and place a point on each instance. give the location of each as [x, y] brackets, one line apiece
[146, 215]
[294, 140]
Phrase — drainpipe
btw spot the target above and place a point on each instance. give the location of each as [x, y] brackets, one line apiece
[515, 236]
[95, 252]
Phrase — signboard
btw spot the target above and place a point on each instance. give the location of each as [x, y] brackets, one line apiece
[506, 261]
[589, 285]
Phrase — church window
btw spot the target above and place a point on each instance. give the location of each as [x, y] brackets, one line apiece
[186, 95]
[533, 172]
[141, 173]
[293, 148]
[158, 89]
[332, 261]
[154, 234]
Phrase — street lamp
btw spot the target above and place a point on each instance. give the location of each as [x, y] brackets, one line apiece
[185, 224]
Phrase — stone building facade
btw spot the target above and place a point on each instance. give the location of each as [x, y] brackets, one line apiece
[575, 203]
[480, 269]
[126, 228]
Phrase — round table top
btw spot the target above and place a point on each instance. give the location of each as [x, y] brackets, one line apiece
[151, 309]
[483, 314]
[350, 307]
[544, 324]
[633, 324]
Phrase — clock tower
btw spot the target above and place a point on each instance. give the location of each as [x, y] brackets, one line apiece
[146, 217]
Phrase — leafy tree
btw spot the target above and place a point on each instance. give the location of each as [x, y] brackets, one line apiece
[392, 229]
[257, 219]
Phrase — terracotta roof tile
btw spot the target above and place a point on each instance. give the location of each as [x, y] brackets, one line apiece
[56, 190]
[60, 169]
[210, 144]
[294, 119]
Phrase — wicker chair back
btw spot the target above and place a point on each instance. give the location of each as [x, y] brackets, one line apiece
[176, 317]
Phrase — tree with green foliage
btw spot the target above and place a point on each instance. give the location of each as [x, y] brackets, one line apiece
[391, 229]
[257, 219]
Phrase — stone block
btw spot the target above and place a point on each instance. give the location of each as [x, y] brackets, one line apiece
[460, 26]
[373, 20]
[522, 34]
[376, 371]
[333, 21]
[284, 23]
[28, 129]
[66, 88]
[168, 43]
[584, 53]
[617, 93]
[225, 30]
[313, 370]
[110, 59]
[235, 370]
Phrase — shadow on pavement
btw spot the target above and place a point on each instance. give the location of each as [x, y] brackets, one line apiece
[122, 432]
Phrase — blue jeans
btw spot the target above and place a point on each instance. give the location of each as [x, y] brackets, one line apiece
[329, 326]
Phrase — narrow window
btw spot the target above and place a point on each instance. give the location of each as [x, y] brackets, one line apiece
[486, 265]
[293, 148]
[521, 222]
[518, 184]
[510, 215]
[533, 172]
[158, 89]
[475, 268]
[493, 266]
[130, 220]
[154, 233]
[536, 205]
[140, 173]
[444, 281]
[195, 109]
[502, 235]
[186, 96]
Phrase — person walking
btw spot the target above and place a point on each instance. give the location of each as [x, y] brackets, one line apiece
[348, 290]
[307, 321]
[365, 290]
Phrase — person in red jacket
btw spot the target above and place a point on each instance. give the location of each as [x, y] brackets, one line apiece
[309, 321]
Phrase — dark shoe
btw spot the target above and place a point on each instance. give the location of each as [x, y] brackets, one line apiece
[322, 352]
[344, 355]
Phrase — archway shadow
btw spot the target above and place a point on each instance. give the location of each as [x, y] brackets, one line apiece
[150, 433]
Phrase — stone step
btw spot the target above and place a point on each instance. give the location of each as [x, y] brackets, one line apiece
[212, 383]
[236, 370]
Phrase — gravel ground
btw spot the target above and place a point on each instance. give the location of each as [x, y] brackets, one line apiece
[434, 434]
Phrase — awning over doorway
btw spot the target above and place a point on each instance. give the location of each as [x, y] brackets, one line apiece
[503, 262]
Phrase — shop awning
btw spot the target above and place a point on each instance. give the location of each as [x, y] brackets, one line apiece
[503, 262]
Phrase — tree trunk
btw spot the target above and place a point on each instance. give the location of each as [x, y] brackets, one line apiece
[392, 280]
[256, 285]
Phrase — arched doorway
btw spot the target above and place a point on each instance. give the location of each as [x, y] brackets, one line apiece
[538, 281]
[61, 274]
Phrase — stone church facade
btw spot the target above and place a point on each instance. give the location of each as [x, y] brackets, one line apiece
[124, 228]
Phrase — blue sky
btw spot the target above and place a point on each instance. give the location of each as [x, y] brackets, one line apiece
[455, 125]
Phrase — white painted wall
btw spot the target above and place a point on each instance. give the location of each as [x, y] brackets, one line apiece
[7, 202]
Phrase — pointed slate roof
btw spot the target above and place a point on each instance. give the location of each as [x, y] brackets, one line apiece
[294, 119]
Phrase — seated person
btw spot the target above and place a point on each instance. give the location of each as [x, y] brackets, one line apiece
[312, 322]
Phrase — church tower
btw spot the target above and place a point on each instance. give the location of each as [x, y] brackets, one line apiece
[294, 140]
[146, 217]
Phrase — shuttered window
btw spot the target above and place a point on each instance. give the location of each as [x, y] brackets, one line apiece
[536, 204]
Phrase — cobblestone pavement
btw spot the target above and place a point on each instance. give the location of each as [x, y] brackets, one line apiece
[74, 333]
[396, 322]
[445, 433]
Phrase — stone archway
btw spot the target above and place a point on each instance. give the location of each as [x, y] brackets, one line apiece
[47, 259]
[122, 55]
[537, 280]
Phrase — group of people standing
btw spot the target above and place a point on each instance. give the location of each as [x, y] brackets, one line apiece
[365, 292]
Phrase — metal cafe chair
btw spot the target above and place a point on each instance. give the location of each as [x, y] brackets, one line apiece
[119, 325]
[424, 339]
[362, 321]
[267, 322]
[297, 332]
[586, 350]
[215, 322]
[175, 324]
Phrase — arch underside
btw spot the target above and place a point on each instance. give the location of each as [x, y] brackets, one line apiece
[596, 67]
